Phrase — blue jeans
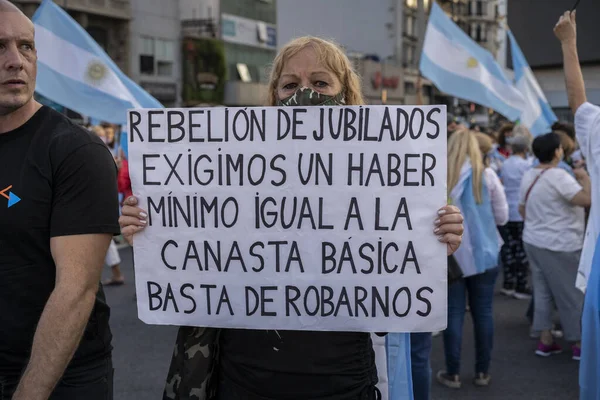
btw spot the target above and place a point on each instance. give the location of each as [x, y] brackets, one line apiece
[480, 291]
[420, 349]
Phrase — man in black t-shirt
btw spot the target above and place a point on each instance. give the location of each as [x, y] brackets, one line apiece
[58, 212]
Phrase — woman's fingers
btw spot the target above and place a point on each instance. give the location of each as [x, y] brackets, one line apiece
[125, 221]
[452, 241]
[135, 212]
[131, 201]
[454, 229]
[449, 219]
[448, 209]
[450, 238]
[129, 231]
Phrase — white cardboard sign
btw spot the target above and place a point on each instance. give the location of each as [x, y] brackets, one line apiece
[317, 218]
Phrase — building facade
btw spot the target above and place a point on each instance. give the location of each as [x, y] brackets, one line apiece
[107, 21]
[369, 31]
[227, 48]
[249, 33]
[155, 49]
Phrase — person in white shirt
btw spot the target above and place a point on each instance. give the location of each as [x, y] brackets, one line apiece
[551, 202]
[514, 259]
[587, 127]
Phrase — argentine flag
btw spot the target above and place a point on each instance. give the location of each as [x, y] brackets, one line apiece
[393, 360]
[480, 246]
[457, 65]
[537, 116]
[75, 72]
[589, 368]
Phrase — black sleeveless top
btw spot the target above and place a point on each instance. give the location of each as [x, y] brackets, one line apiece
[282, 365]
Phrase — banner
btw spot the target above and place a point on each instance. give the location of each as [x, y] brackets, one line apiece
[317, 218]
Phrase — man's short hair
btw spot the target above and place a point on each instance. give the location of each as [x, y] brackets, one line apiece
[519, 144]
[544, 147]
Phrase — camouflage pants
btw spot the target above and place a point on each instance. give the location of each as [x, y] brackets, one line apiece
[193, 365]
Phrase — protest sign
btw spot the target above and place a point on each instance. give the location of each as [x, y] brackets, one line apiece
[317, 218]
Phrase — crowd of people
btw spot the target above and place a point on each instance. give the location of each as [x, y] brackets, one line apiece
[526, 200]
[514, 201]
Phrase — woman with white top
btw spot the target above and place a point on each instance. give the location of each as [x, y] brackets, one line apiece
[478, 192]
[551, 203]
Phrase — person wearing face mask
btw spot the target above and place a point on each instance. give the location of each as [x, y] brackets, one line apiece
[514, 260]
[269, 364]
[551, 203]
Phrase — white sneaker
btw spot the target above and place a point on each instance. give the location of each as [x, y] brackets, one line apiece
[521, 296]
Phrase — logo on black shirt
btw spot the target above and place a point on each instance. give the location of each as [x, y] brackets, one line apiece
[11, 197]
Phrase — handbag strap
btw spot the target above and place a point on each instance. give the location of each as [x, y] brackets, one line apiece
[534, 182]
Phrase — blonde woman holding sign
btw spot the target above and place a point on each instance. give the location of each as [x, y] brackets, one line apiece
[258, 364]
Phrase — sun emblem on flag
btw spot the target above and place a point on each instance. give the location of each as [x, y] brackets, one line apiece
[472, 63]
[96, 72]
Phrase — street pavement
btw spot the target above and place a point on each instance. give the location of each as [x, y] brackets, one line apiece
[142, 354]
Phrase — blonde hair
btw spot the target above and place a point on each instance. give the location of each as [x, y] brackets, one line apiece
[463, 145]
[330, 55]
[98, 130]
[485, 142]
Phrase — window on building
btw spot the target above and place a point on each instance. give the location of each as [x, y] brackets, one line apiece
[478, 33]
[263, 36]
[480, 8]
[244, 72]
[157, 56]
[415, 4]
[147, 56]
[100, 35]
[165, 57]
[409, 25]
[409, 55]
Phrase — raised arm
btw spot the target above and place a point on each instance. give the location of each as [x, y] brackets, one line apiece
[566, 31]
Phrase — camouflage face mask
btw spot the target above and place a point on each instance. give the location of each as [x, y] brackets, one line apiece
[308, 97]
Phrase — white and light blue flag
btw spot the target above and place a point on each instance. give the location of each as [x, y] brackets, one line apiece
[537, 116]
[589, 369]
[75, 72]
[393, 360]
[458, 66]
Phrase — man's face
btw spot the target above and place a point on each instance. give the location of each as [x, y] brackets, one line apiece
[18, 61]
